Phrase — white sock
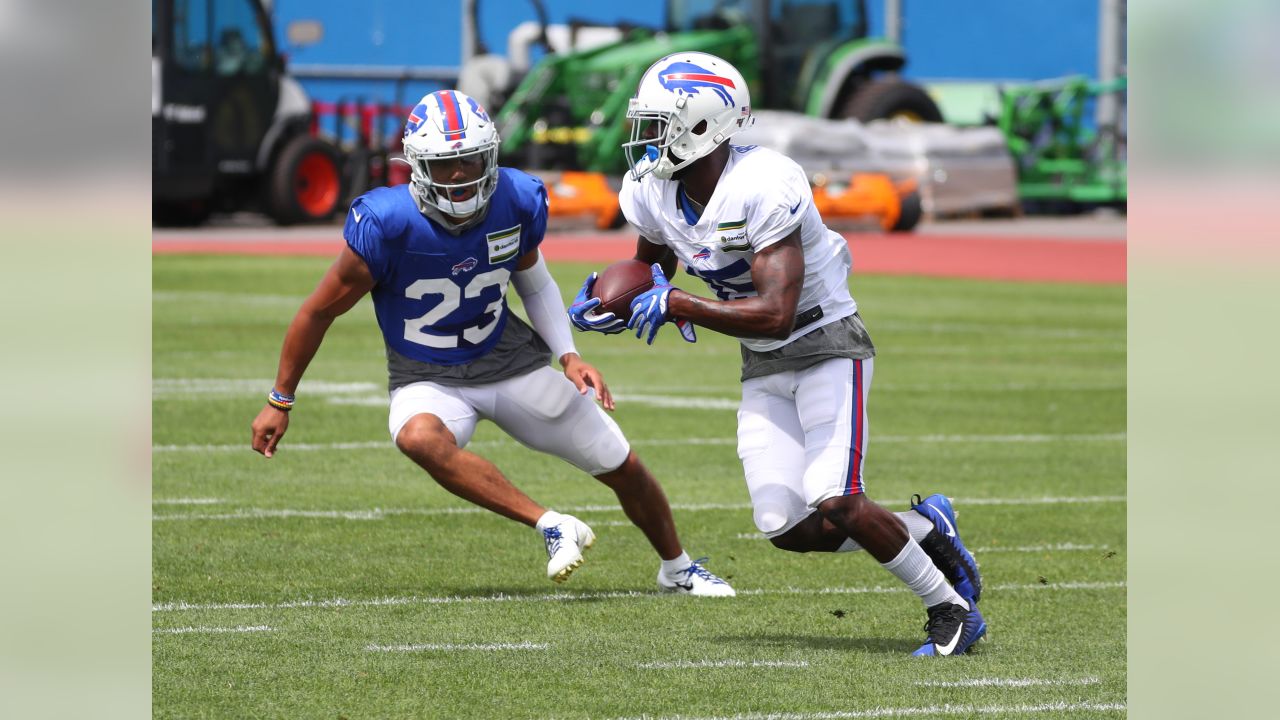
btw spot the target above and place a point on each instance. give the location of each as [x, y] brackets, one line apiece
[550, 518]
[913, 567]
[675, 565]
[917, 524]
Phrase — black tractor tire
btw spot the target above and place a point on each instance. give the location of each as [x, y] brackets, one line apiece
[910, 214]
[305, 183]
[188, 213]
[891, 98]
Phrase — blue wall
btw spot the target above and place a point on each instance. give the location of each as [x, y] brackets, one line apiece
[996, 39]
[981, 39]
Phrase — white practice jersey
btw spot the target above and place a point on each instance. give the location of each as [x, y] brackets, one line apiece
[761, 198]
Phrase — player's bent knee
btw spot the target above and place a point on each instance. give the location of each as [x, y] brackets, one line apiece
[622, 471]
[808, 536]
[425, 435]
[598, 445]
[769, 519]
[791, 542]
[844, 510]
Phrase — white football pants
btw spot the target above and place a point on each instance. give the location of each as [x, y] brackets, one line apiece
[542, 410]
[802, 438]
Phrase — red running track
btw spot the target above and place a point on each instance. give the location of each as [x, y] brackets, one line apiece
[1034, 259]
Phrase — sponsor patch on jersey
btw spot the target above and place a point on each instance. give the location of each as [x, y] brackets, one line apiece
[465, 266]
[503, 244]
[733, 236]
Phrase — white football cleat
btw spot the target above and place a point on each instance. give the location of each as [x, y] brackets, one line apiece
[694, 580]
[565, 544]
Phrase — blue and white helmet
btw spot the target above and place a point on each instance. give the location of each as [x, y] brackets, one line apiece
[697, 102]
[448, 125]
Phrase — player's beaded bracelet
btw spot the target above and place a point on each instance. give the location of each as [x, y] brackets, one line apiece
[279, 401]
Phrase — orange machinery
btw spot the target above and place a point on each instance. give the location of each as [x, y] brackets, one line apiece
[895, 206]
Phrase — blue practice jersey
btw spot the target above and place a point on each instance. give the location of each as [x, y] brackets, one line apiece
[441, 298]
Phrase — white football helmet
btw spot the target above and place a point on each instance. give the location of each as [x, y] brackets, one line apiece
[446, 126]
[687, 104]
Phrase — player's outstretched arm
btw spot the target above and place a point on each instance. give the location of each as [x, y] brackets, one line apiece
[342, 286]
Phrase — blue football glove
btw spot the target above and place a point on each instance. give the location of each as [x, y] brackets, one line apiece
[583, 316]
[649, 310]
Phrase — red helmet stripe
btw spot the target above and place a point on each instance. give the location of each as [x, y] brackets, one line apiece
[715, 79]
[452, 115]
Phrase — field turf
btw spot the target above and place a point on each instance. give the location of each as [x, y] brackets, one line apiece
[338, 580]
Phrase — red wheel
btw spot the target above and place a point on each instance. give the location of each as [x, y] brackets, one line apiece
[305, 182]
[316, 185]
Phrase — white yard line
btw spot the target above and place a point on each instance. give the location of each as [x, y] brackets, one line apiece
[188, 296]
[186, 501]
[1007, 682]
[887, 712]
[238, 629]
[697, 396]
[690, 664]
[662, 442]
[449, 647]
[1046, 500]
[1067, 333]
[1054, 547]
[234, 387]
[660, 401]
[300, 447]
[383, 513]
[181, 606]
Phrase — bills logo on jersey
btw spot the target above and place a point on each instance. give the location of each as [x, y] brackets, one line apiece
[686, 78]
[465, 266]
[703, 254]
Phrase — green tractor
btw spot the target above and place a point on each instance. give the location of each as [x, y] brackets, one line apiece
[808, 56]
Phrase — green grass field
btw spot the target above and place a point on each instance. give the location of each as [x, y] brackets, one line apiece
[337, 580]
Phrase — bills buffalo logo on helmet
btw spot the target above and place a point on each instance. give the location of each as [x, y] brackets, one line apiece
[465, 266]
[685, 77]
[477, 110]
[416, 116]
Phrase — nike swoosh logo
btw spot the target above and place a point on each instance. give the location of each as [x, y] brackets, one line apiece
[951, 646]
[951, 530]
[797, 207]
[357, 215]
[689, 587]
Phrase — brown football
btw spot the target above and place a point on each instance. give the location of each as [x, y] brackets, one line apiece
[619, 284]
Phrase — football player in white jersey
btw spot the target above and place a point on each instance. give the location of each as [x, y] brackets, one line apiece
[743, 220]
[436, 256]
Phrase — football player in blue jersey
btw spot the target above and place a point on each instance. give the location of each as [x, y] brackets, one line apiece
[438, 255]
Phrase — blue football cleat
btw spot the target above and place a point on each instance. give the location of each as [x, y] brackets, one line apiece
[944, 546]
[951, 630]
